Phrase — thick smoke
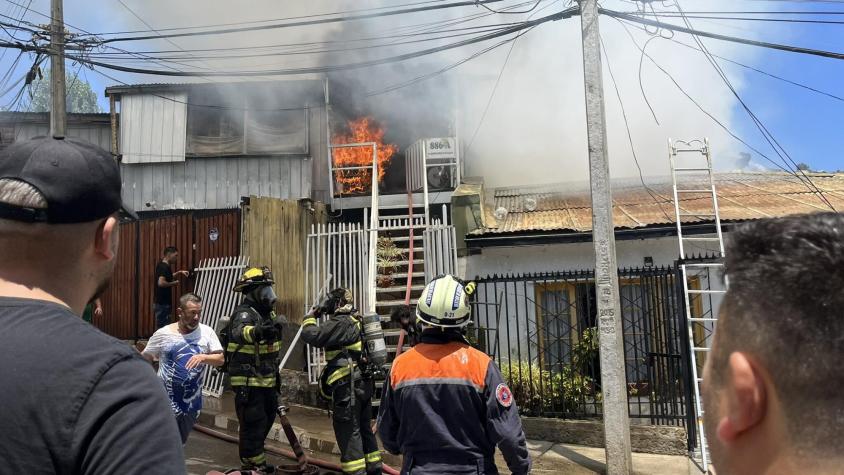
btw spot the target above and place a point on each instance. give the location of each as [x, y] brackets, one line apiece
[532, 129]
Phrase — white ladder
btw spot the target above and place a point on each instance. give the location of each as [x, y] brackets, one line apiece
[692, 179]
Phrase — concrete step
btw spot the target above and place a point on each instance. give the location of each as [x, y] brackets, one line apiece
[403, 275]
[400, 288]
[416, 237]
[393, 303]
[406, 262]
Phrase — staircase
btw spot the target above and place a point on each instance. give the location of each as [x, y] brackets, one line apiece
[395, 224]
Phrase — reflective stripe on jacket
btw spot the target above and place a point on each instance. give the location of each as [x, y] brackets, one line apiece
[448, 406]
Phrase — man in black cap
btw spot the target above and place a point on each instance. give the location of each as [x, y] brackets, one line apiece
[73, 399]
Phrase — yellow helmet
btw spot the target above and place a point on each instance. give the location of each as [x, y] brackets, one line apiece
[443, 303]
[254, 276]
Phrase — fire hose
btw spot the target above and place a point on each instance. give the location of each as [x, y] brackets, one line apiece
[285, 453]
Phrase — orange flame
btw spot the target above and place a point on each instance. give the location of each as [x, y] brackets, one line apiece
[360, 181]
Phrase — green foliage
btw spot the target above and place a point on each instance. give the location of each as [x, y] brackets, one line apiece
[81, 98]
[388, 256]
[541, 391]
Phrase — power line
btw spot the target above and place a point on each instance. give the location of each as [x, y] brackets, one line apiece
[447, 68]
[255, 22]
[733, 39]
[699, 106]
[322, 21]
[769, 137]
[630, 135]
[568, 13]
[316, 51]
[743, 65]
[497, 82]
[735, 18]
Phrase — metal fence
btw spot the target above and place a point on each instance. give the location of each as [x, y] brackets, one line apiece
[540, 330]
[215, 279]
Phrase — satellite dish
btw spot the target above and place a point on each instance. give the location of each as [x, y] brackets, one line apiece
[530, 204]
[439, 177]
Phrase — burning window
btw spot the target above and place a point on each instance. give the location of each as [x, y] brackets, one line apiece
[359, 181]
[275, 127]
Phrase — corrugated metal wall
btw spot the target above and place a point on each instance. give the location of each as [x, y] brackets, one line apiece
[119, 301]
[127, 305]
[206, 183]
[153, 127]
[99, 134]
[274, 235]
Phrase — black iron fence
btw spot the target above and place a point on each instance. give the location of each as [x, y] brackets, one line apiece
[540, 329]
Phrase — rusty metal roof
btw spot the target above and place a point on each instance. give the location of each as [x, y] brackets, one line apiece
[741, 196]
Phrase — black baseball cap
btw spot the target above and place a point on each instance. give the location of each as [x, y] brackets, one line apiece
[80, 181]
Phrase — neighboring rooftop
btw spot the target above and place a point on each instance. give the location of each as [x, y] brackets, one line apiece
[741, 196]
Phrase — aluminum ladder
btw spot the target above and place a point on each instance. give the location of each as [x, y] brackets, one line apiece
[692, 180]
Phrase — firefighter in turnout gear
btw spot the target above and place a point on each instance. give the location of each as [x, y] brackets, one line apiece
[346, 380]
[445, 406]
[254, 341]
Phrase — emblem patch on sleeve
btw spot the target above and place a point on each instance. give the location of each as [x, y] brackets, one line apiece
[504, 395]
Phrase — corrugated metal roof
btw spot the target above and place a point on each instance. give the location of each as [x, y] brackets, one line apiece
[741, 196]
[313, 80]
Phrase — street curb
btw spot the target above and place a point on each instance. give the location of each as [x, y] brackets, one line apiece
[307, 440]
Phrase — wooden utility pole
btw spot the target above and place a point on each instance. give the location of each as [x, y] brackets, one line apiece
[58, 112]
[613, 383]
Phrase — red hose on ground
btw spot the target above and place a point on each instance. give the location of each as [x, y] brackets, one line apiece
[285, 453]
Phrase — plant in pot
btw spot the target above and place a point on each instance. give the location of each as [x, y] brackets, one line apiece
[388, 255]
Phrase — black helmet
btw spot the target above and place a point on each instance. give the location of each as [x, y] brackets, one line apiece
[252, 277]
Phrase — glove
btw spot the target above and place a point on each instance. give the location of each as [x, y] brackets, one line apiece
[266, 331]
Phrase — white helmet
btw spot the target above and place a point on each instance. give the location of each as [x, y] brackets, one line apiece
[444, 304]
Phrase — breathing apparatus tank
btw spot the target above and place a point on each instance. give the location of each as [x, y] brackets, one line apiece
[373, 339]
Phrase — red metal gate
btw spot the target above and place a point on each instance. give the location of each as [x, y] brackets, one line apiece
[127, 304]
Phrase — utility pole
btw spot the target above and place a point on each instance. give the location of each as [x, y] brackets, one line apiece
[58, 112]
[613, 383]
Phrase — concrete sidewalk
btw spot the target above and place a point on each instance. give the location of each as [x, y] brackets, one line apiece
[313, 427]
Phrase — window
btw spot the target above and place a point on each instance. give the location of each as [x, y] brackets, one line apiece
[556, 323]
[215, 124]
[225, 121]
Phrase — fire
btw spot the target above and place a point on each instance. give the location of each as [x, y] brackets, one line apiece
[360, 130]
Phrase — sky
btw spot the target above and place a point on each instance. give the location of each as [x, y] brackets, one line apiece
[535, 114]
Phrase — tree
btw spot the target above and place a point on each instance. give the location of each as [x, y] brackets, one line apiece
[804, 167]
[81, 98]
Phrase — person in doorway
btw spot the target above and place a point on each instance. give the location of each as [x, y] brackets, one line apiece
[165, 280]
[182, 350]
[445, 405]
[772, 380]
[74, 399]
[254, 336]
[93, 309]
[346, 381]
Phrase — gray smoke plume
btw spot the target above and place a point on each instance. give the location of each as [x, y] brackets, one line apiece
[531, 129]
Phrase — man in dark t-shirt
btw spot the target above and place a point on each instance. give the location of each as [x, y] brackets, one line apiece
[74, 400]
[164, 283]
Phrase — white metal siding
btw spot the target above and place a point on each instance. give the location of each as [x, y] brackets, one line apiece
[208, 183]
[153, 127]
[98, 134]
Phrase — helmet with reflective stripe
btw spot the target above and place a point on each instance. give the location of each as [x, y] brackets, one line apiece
[252, 277]
[443, 303]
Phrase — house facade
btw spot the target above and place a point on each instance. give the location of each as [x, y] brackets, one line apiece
[205, 146]
[530, 250]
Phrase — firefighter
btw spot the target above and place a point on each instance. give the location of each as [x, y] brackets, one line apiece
[254, 341]
[445, 406]
[347, 380]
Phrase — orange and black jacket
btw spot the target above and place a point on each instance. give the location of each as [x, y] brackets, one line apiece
[447, 406]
